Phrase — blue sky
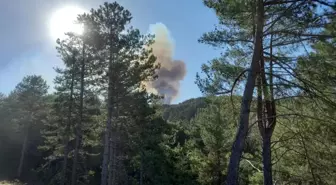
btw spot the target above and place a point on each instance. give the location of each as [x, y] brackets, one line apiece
[27, 48]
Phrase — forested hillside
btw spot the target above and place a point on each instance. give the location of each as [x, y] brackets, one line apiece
[183, 111]
[267, 115]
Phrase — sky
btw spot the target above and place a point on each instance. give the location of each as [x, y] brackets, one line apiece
[27, 47]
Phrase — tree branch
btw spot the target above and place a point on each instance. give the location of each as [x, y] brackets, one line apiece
[299, 34]
[253, 165]
[277, 2]
[324, 3]
[234, 84]
[278, 159]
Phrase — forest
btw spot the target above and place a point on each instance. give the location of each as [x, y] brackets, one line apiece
[267, 115]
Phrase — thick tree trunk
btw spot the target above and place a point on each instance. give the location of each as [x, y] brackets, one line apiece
[111, 160]
[23, 150]
[66, 140]
[113, 176]
[114, 165]
[112, 146]
[267, 159]
[79, 123]
[238, 145]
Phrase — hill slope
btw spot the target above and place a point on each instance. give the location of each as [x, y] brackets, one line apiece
[184, 111]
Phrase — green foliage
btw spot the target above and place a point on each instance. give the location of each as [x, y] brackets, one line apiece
[306, 138]
[188, 143]
[289, 28]
[210, 140]
[220, 77]
[124, 62]
[286, 27]
[184, 111]
[23, 114]
[60, 133]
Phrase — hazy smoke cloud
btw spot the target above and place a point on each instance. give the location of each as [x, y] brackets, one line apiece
[172, 71]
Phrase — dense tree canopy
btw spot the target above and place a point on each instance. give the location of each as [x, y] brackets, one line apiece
[268, 115]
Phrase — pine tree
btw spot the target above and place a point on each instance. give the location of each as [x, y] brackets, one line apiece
[69, 55]
[79, 103]
[30, 94]
[145, 135]
[82, 74]
[310, 132]
[212, 134]
[126, 62]
[261, 31]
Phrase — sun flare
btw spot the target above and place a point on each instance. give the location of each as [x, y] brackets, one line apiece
[63, 20]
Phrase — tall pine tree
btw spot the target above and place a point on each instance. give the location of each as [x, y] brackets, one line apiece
[125, 62]
[266, 33]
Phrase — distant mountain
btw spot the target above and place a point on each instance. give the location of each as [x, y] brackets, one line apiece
[183, 111]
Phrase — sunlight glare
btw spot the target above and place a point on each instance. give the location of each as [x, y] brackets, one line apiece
[63, 20]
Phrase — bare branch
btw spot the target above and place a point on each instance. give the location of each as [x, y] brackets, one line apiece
[324, 3]
[253, 165]
[280, 16]
[234, 84]
[299, 34]
[276, 2]
[283, 154]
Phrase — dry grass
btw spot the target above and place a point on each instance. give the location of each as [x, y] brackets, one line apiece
[11, 183]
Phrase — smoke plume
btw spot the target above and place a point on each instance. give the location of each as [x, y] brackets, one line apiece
[171, 71]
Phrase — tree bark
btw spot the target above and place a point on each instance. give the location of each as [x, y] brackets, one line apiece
[112, 138]
[107, 136]
[79, 123]
[267, 159]
[238, 145]
[114, 164]
[66, 140]
[111, 160]
[114, 151]
[269, 122]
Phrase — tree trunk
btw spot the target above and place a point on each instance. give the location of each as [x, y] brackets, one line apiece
[114, 164]
[111, 157]
[114, 154]
[107, 136]
[66, 140]
[141, 168]
[79, 123]
[267, 159]
[107, 146]
[23, 150]
[238, 145]
[111, 141]
[269, 122]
